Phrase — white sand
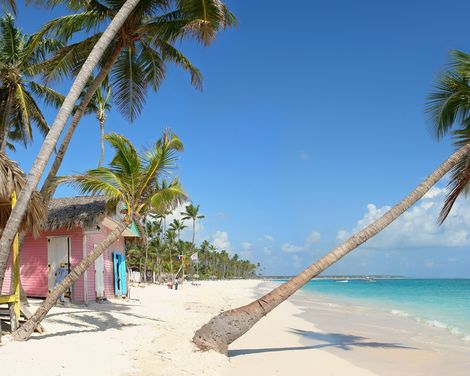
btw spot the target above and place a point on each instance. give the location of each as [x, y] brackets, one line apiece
[150, 335]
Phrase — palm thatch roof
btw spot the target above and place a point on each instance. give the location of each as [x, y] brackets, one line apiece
[80, 211]
[12, 179]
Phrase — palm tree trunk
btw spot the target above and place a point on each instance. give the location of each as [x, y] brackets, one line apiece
[25, 331]
[48, 188]
[145, 240]
[55, 131]
[100, 163]
[226, 327]
[6, 126]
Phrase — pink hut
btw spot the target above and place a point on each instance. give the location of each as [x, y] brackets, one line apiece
[75, 225]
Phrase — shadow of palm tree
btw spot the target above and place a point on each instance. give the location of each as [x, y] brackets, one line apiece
[330, 340]
[104, 322]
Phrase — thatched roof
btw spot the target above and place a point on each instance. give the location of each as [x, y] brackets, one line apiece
[12, 178]
[81, 211]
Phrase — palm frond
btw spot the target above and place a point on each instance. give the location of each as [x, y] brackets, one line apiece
[68, 60]
[48, 95]
[129, 85]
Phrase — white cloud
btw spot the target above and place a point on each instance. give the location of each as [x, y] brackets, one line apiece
[220, 240]
[313, 237]
[247, 246]
[291, 248]
[418, 227]
[268, 238]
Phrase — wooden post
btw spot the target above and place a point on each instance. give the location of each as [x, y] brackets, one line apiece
[15, 311]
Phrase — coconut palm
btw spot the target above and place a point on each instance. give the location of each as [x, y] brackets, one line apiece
[20, 61]
[102, 106]
[449, 108]
[55, 131]
[226, 327]
[134, 183]
[136, 59]
[192, 213]
[177, 226]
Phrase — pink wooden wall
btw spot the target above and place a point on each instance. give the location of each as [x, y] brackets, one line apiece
[34, 270]
[118, 246]
[33, 263]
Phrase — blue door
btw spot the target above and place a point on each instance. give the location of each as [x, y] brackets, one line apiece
[120, 274]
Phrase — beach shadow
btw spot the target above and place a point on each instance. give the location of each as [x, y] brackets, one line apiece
[102, 323]
[330, 340]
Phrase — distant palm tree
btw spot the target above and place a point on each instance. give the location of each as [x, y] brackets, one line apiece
[192, 213]
[20, 62]
[102, 105]
[132, 183]
[177, 226]
[449, 107]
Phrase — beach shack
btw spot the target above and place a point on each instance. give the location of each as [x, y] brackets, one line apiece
[74, 226]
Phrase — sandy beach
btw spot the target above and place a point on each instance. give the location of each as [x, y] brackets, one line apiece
[150, 335]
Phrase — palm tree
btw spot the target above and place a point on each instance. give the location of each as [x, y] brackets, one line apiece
[20, 61]
[48, 146]
[171, 238]
[177, 226]
[449, 106]
[102, 105]
[192, 213]
[137, 57]
[133, 183]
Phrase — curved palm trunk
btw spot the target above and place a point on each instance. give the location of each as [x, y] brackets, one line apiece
[25, 331]
[226, 327]
[55, 131]
[48, 188]
[100, 163]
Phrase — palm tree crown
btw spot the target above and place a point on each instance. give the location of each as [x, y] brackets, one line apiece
[142, 46]
[136, 180]
[20, 61]
[449, 108]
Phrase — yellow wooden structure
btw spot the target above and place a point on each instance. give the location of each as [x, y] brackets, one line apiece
[15, 298]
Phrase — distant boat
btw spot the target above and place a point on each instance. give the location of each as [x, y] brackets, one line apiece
[370, 279]
[343, 281]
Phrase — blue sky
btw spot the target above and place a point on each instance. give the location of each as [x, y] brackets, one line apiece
[311, 116]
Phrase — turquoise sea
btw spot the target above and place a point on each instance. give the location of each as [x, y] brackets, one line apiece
[442, 303]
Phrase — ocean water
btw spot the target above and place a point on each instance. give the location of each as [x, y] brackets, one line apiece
[441, 303]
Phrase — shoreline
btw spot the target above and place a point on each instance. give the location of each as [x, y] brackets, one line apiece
[308, 333]
[373, 336]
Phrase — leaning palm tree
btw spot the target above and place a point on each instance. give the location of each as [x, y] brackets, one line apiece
[55, 131]
[20, 63]
[450, 108]
[133, 183]
[136, 59]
